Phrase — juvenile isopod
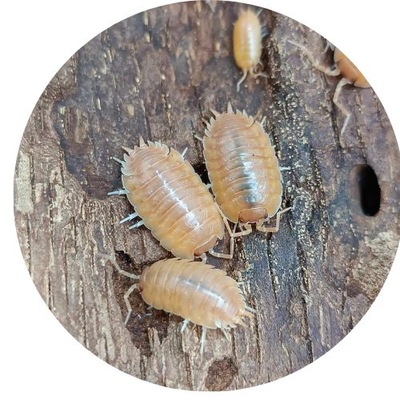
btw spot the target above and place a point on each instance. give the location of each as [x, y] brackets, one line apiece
[193, 290]
[342, 66]
[247, 37]
[243, 170]
[171, 200]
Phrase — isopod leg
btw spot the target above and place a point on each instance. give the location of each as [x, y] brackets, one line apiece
[232, 235]
[130, 290]
[241, 80]
[250, 309]
[118, 268]
[223, 255]
[245, 229]
[134, 226]
[117, 192]
[259, 74]
[128, 304]
[203, 339]
[184, 325]
[184, 152]
[275, 228]
[130, 217]
[346, 112]
[225, 332]
[326, 70]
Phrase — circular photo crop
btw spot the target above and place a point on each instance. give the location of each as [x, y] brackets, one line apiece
[206, 195]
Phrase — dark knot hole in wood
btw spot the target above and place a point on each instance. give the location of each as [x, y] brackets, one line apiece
[365, 189]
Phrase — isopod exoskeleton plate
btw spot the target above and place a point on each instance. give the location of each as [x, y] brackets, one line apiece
[160, 75]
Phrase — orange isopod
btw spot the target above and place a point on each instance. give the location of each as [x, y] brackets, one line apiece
[247, 37]
[171, 199]
[243, 170]
[343, 66]
[197, 292]
[350, 75]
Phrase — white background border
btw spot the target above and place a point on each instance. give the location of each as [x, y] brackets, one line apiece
[38, 358]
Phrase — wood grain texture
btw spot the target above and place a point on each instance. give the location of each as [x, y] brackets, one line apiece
[157, 75]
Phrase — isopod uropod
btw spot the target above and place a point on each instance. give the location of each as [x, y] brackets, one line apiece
[342, 66]
[193, 290]
[171, 199]
[247, 36]
[243, 170]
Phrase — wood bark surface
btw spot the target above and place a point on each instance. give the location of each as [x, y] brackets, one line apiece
[157, 75]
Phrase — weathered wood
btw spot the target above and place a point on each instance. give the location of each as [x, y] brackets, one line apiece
[157, 75]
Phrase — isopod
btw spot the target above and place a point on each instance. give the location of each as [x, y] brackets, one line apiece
[171, 200]
[342, 66]
[243, 170]
[247, 37]
[193, 290]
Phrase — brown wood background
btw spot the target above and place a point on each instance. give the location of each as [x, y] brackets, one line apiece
[157, 75]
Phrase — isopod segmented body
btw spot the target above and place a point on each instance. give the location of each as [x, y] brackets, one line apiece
[196, 291]
[247, 36]
[193, 290]
[243, 169]
[171, 199]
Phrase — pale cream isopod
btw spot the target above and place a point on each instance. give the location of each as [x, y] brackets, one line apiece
[172, 201]
[247, 44]
[193, 290]
[243, 169]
